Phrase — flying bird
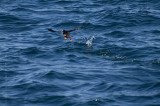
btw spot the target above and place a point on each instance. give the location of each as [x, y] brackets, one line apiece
[66, 33]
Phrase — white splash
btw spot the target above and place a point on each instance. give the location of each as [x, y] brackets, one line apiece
[89, 41]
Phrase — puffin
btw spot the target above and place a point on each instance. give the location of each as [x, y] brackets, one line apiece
[66, 33]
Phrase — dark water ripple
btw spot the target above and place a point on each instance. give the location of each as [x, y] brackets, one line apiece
[40, 68]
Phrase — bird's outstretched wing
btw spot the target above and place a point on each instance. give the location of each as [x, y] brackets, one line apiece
[52, 30]
[74, 29]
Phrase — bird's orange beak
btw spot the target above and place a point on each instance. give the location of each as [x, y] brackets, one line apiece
[65, 37]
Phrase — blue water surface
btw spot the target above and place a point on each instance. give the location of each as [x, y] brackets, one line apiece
[41, 68]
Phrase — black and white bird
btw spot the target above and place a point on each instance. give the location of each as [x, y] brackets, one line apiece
[66, 33]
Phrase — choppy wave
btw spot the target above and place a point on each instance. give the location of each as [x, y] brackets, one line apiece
[89, 41]
[119, 67]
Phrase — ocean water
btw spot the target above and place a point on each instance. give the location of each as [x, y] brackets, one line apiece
[113, 60]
